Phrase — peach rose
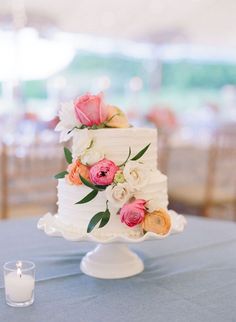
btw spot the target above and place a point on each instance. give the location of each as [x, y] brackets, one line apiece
[158, 221]
[90, 109]
[116, 118]
[75, 169]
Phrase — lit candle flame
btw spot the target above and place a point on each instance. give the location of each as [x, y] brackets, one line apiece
[18, 268]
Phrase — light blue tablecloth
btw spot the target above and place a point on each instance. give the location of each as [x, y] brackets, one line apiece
[187, 277]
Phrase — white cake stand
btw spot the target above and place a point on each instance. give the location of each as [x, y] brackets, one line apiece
[111, 258]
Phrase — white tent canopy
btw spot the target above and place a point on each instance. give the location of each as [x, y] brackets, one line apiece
[165, 30]
[202, 22]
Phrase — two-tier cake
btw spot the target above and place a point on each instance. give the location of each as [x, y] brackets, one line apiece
[111, 185]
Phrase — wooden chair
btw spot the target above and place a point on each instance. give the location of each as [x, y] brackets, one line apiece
[27, 177]
[163, 150]
[217, 187]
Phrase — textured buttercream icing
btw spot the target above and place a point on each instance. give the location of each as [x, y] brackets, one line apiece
[114, 145]
[80, 215]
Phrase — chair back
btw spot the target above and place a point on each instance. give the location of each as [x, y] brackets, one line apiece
[27, 175]
[221, 176]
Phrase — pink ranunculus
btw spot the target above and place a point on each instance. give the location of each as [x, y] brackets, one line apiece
[103, 172]
[133, 213]
[90, 109]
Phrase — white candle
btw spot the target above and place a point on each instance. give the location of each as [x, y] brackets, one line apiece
[19, 287]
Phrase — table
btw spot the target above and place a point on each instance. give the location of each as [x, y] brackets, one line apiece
[187, 277]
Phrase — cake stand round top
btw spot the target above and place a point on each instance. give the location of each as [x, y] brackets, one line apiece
[53, 226]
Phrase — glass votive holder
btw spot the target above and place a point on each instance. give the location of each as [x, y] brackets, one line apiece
[19, 278]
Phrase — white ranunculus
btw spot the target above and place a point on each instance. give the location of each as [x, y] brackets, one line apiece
[67, 121]
[91, 156]
[118, 194]
[136, 174]
[81, 142]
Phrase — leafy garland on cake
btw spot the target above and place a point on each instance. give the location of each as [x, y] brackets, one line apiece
[88, 166]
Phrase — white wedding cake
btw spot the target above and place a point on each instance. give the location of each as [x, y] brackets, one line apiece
[112, 185]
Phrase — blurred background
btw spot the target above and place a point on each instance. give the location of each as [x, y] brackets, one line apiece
[168, 64]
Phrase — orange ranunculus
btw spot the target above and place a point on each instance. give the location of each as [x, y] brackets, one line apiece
[116, 118]
[75, 169]
[158, 221]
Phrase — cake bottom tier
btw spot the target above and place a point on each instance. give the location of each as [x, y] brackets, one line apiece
[80, 215]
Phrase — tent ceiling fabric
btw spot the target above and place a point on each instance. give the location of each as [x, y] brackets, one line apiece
[210, 22]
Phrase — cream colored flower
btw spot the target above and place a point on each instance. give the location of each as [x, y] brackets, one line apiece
[118, 194]
[136, 174]
[91, 156]
[81, 142]
[67, 121]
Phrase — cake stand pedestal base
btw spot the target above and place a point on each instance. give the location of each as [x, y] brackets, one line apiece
[111, 261]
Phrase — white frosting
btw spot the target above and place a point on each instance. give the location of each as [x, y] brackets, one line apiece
[115, 144]
[80, 215]
[155, 192]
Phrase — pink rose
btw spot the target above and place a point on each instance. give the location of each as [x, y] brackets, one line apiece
[133, 213]
[90, 109]
[103, 172]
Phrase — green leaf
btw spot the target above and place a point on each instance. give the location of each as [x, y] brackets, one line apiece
[61, 175]
[88, 198]
[91, 185]
[83, 127]
[126, 158]
[94, 221]
[88, 183]
[100, 188]
[105, 218]
[68, 155]
[141, 153]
